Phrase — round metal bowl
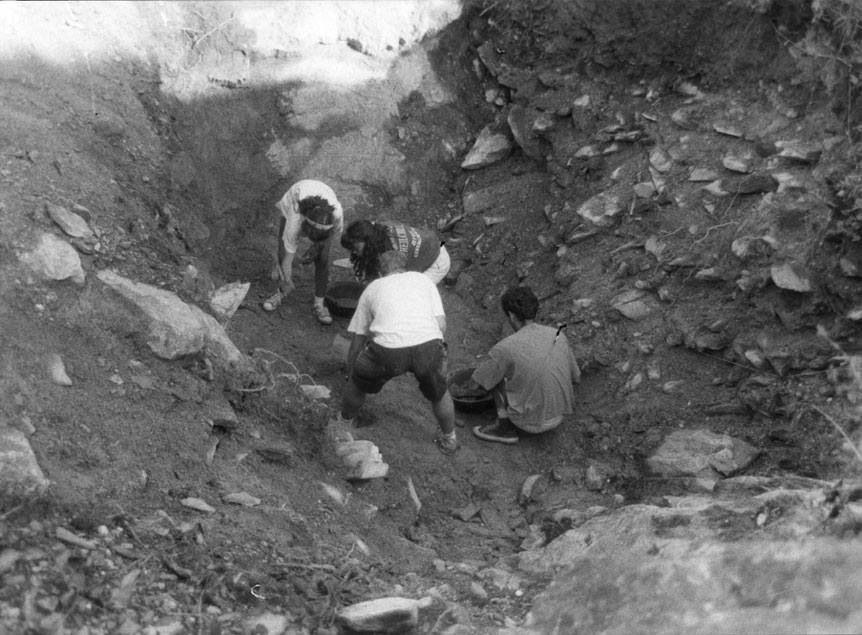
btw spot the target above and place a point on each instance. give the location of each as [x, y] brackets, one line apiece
[475, 400]
[341, 297]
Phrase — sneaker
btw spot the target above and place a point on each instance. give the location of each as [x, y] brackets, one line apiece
[322, 314]
[498, 432]
[274, 301]
[447, 445]
[339, 430]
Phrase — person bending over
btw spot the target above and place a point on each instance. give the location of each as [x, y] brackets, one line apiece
[311, 210]
[529, 373]
[367, 241]
[398, 328]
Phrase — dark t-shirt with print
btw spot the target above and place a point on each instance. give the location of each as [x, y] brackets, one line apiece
[421, 246]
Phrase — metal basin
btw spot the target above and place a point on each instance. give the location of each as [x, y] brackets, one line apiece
[341, 297]
[468, 400]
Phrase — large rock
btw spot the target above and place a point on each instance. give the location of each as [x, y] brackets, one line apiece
[19, 472]
[55, 259]
[699, 452]
[175, 329]
[678, 587]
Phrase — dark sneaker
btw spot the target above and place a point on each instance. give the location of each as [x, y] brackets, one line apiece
[497, 432]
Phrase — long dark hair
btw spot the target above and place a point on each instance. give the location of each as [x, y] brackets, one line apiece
[376, 238]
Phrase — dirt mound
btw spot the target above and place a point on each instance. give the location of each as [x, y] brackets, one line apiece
[185, 498]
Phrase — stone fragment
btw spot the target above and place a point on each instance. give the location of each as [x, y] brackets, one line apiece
[20, 473]
[587, 152]
[241, 498]
[660, 160]
[225, 300]
[752, 184]
[266, 624]
[645, 190]
[315, 391]
[715, 188]
[601, 209]
[57, 370]
[352, 460]
[543, 123]
[369, 469]
[383, 615]
[197, 504]
[798, 151]
[71, 223]
[349, 447]
[791, 277]
[730, 131]
[848, 267]
[691, 452]
[70, 538]
[702, 174]
[634, 304]
[520, 120]
[55, 259]
[489, 148]
[735, 164]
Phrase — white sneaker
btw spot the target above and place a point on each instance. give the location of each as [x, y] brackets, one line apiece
[322, 314]
[274, 301]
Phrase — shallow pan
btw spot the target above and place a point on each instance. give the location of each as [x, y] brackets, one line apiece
[468, 400]
[341, 297]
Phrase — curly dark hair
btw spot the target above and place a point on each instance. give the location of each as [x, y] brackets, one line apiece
[366, 266]
[521, 301]
[316, 209]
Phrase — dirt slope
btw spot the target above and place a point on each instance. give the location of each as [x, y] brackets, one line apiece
[135, 436]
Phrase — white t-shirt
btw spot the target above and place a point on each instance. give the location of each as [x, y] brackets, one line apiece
[289, 207]
[399, 310]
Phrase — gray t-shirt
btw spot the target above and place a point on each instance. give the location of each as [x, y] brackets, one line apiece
[539, 371]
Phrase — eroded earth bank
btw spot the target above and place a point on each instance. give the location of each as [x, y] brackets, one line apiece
[677, 180]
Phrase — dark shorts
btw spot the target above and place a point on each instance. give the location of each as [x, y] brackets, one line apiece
[428, 362]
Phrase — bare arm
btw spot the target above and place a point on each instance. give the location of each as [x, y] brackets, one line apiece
[576, 371]
[441, 322]
[285, 273]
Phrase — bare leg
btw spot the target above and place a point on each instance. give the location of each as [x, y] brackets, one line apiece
[280, 256]
[444, 412]
[351, 400]
[321, 268]
[498, 392]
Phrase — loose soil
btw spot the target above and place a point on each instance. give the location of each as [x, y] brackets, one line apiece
[134, 436]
